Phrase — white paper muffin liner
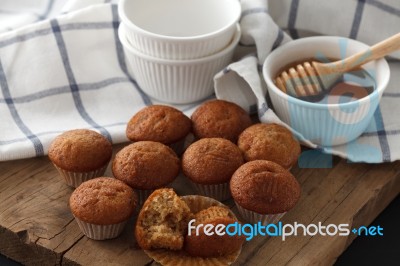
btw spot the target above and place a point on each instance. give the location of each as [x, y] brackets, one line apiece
[254, 217]
[174, 258]
[101, 232]
[219, 192]
[74, 179]
[143, 194]
[178, 147]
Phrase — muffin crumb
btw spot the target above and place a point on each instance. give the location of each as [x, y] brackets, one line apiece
[163, 220]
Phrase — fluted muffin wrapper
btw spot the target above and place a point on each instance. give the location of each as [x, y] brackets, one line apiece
[254, 217]
[143, 194]
[180, 146]
[101, 232]
[219, 192]
[74, 179]
[174, 258]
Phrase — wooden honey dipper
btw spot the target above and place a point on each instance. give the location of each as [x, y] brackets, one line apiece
[310, 79]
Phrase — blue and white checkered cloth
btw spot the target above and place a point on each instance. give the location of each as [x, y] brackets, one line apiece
[62, 67]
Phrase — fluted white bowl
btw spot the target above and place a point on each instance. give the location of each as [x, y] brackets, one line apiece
[179, 29]
[176, 81]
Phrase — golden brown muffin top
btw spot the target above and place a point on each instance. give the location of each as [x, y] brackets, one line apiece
[146, 165]
[204, 245]
[80, 150]
[270, 142]
[264, 187]
[220, 119]
[211, 161]
[211, 213]
[160, 123]
[103, 201]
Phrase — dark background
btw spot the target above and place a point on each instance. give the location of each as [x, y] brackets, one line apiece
[378, 250]
[384, 250]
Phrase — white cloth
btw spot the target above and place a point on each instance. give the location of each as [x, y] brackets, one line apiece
[66, 69]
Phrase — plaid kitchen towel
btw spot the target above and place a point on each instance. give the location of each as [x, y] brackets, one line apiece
[64, 73]
[62, 67]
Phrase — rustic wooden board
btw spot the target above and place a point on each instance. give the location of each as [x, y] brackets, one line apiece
[37, 228]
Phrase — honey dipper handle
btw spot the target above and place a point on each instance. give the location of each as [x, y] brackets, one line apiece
[377, 51]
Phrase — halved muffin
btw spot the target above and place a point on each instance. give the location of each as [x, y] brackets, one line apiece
[162, 221]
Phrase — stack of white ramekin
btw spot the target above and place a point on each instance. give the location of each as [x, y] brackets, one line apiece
[175, 47]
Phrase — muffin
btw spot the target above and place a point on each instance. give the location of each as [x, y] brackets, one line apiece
[204, 245]
[145, 166]
[209, 164]
[220, 119]
[162, 221]
[102, 206]
[80, 155]
[270, 142]
[205, 210]
[264, 191]
[160, 123]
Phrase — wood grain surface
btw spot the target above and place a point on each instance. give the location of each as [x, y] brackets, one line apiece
[37, 228]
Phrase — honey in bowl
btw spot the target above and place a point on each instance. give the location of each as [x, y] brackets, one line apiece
[349, 87]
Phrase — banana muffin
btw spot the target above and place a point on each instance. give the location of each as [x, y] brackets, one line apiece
[264, 191]
[220, 119]
[209, 164]
[270, 142]
[102, 206]
[162, 221]
[203, 245]
[80, 155]
[160, 123]
[207, 211]
[145, 166]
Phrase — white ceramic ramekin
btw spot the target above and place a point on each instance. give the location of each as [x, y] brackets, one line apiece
[176, 81]
[179, 29]
[324, 124]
